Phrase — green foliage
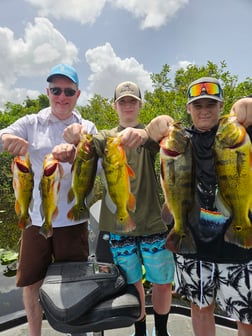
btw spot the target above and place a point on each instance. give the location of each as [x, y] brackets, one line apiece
[169, 96]
[100, 111]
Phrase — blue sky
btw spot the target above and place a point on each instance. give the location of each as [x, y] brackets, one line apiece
[109, 41]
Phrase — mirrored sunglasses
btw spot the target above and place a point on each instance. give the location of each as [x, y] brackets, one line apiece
[68, 92]
[209, 88]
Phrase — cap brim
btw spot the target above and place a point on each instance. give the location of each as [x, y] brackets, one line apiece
[205, 96]
[50, 78]
[128, 95]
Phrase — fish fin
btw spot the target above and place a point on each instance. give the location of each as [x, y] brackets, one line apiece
[222, 206]
[131, 202]
[166, 215]
[180, 242]
[42, 211]
[70, 195]
[24, 222]
[240, 235]
[128, 226]
[55, 213]
[130, 171]
[78, 213]
[45, 232]
[17, 208]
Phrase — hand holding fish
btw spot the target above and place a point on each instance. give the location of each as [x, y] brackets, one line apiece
[133, 137]
[64, 152]
[14, 144]
[243, 111]
[72, 133]
[158, 127]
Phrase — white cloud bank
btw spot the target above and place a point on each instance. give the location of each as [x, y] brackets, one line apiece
[152, 13]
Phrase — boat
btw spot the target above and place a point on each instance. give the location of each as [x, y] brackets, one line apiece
[13, 318]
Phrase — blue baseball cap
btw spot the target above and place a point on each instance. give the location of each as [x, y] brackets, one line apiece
[64, 70]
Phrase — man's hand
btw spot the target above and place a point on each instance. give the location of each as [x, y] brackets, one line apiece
[72, 133]
[133, 137]
[64, 152]
[158, 127]
[14, 144]
[243, 111]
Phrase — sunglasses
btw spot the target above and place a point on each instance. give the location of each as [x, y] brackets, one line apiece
[209, 88]
[56, 91]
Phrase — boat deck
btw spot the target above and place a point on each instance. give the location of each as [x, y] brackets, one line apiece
[178, 325]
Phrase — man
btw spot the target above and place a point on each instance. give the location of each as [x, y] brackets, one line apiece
[40, 134]
[146, 243]
[219, 271]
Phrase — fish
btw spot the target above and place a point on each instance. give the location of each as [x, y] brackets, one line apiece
[177, 182]
[49, 187]
[83, 177]
[23, 184]
[120, 200]
[233, 163]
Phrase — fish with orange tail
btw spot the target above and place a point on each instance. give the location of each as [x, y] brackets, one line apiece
[120, 200]
[233, 161]
[178, 186]
[23, 184]
[49, 191]
[83, 177]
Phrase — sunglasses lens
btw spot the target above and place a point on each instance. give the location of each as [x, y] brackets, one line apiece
[69, 92]
[56, 91]
[209, 88]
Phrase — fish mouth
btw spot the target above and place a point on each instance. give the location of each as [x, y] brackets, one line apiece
[171, 153]
[22, 167]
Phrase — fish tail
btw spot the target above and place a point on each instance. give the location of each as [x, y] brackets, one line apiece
[182, 242]
[46, 230]
[127, 226]
[78, 213]
[240, 235]
[24, 222]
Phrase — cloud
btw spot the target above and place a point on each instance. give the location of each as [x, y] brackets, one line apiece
[33, 55]
[76, 10]
[152, 13]
[108, 70]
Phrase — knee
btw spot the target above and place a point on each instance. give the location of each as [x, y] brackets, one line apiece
[202, 312]
[163, 288]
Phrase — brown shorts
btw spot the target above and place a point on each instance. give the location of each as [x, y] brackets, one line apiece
[37, 253]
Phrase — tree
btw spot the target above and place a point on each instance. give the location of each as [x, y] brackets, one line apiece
[168, 97]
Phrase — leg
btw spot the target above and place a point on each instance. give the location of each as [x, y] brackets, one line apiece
[161, 298]
[244, 329]
[159, 267]
[139, 287]
[203, 320]
[236, 294]
[33, 308]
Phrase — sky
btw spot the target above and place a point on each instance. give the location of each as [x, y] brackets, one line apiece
[110, 41]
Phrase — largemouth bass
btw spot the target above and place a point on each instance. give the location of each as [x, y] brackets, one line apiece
[233, 160]
[23, 188]
[117, 176]
[83, 177]
[49, 191]
[177, 183]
